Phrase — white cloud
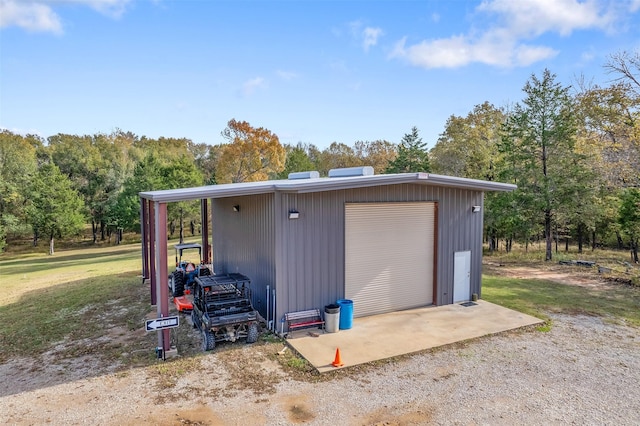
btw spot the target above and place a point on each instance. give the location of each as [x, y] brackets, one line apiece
[459, 51]
[34, 17]
[535, 17]
[370, 37]
[39, 15]
[524, 55]
[113, 8]
[250, 86]
[444, 53]
[506, 42]
[634, 6]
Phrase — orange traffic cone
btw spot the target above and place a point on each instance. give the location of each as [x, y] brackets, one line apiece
[337, 362]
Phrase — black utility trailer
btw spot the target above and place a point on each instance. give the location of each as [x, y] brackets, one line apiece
[222, 309]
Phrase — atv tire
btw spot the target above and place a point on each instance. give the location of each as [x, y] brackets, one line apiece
[178, 284]
[252, 333]
[208, 340]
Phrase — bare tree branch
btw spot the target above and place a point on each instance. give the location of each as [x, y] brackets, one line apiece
[626, 66]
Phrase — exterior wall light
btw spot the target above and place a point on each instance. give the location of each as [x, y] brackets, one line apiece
[236, 208]
[475, 209]
[294, 214]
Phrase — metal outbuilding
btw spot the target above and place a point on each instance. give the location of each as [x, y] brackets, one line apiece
[388, 242]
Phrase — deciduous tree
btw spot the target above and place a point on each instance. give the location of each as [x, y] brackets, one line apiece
[629, 218]
[181, 173]
[377, 154]
[468, 147]
[56, 210]
[625, 66]
[608, 123]
[337, 156]
[251, 154]
[17, 167]
[152, 174]
[147, 176]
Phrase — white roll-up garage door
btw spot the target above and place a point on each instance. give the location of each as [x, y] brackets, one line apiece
[389, 256]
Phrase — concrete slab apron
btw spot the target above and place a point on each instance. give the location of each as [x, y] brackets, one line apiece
[397, 333]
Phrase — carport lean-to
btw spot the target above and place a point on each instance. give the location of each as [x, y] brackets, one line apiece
[388, 242]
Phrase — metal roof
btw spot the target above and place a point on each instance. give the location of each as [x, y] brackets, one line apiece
[319, 185]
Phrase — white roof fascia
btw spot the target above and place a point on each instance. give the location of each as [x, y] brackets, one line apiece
[210, 191]
[333, 184]
[338, 183]
[319, 185]
[481, 185]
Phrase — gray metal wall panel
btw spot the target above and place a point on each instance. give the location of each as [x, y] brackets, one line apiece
[310, 264]
[460, 230]
[244, 241]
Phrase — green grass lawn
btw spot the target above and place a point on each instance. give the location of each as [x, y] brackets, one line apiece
[615, 303]
[539, 298]
[91, 300]
[73, 295]
[84, 301]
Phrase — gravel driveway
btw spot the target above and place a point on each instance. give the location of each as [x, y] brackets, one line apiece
[583, 371]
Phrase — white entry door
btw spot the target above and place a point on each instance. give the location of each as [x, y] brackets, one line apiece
[462, 277]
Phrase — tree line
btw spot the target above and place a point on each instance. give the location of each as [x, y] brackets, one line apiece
[574, 153]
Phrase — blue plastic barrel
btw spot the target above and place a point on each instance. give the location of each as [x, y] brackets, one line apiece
[346, 313]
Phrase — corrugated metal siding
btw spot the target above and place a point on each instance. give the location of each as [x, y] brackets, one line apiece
[460, 230]
[244, 241]
[310, 261]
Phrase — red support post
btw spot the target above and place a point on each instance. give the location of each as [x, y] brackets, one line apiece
[144, 237]
[204, 219]
[162, 289]
[152, 252]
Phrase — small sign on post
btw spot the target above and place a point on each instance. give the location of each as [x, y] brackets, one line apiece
[162, 323]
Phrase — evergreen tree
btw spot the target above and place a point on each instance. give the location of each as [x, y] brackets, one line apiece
[297, 160]
[539, 144]
[412, 155]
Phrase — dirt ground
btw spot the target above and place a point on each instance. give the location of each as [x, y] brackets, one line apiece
[572, 275]
[583, 371]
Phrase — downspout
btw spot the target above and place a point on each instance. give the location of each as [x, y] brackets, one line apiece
[267, 299]
[273, 323]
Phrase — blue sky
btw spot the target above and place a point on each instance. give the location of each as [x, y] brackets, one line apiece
[309, 71]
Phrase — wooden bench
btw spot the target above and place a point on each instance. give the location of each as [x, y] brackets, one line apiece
[302, 319]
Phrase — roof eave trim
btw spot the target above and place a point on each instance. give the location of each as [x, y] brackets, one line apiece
[170, 196]
[483, 185]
